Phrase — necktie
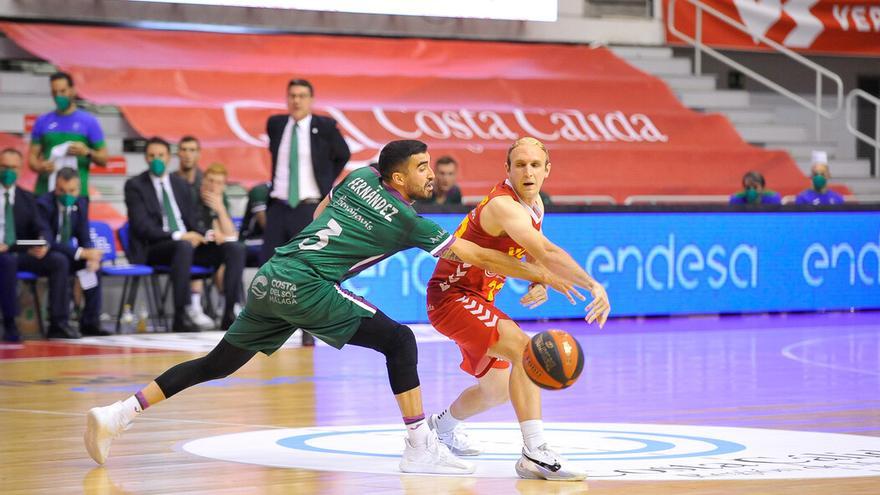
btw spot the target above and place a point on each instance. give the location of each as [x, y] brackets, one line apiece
[9, 225]
[293, 176]
[169, 211]
[65, 226]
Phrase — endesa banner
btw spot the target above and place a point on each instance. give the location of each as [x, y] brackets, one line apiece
[611, 129]
[678, 263]
[842, 27]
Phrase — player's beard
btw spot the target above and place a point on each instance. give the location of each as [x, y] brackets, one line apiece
[424, 192]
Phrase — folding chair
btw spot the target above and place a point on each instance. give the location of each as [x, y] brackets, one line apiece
[102, 238]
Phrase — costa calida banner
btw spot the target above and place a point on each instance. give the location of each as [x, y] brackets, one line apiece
[843, 27]
[611, 129]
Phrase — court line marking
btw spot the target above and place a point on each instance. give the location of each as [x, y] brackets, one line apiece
[166, 420]
[787, 352]
[122, 353]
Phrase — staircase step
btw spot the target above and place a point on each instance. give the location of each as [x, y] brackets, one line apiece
[801, 150]
[863, 186]
[718, 98]
[685, 83]
[25, 84]
[771, 132]
[748, 115]
[662, 66]
[634, 52]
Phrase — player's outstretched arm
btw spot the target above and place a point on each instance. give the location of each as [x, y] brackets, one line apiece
[509, 216]
[498, 262]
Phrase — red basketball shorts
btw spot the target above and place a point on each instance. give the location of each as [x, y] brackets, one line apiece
[472, 322]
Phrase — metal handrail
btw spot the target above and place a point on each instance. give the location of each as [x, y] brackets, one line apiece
[851, 112]
[699, 47]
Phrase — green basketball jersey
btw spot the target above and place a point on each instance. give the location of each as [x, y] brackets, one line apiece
[364, 223]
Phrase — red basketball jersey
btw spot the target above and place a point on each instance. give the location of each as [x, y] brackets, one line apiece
[455, 276]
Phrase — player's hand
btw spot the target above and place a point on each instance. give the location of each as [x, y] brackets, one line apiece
[77, 149]
[561, 285]
[47, 167]
[535, 296]
[92, 255]
[38, 252]
[194, 238]
[599, 309]
[212, 200]
[3, 248]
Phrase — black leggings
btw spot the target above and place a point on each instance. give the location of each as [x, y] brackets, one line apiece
[379, 333]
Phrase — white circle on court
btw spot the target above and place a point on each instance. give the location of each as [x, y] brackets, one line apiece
[605, 450]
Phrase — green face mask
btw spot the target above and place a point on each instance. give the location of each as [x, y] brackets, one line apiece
[66, 199]
[8, 176]
[62, 103]
[819, 182]
[751, 195]
[157, 167]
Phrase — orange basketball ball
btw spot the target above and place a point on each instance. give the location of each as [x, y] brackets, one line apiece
[553, 360]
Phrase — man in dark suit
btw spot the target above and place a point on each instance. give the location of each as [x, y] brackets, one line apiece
[67, 215]
[21, 222]
[164, 230]
[305, 164]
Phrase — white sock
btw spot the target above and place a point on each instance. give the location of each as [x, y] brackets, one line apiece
[446, 422]
[131, 407]
[418, 433]
[196, 300]
[533, 433]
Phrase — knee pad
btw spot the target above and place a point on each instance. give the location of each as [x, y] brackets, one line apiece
[402, 347]
[402, 360]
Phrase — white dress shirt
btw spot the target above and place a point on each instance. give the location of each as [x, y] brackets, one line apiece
[165, 182]
[3, 208]
[308, 186]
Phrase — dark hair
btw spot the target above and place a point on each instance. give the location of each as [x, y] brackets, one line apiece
[397, 153]
[67, 173]
[189, 139]
[11, 150]
[157, 140]
[301, 82]
[61, 75]
[446, 160]
[756, 176]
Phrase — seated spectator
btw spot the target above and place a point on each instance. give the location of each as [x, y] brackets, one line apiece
[67, 215]
[188, 153]
[21, 225]
[753, 192]
[254, 222]
[165, 230]
[212, 211]
[446, 192]
[819, 194]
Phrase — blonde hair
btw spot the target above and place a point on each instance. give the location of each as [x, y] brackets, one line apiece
[524, 141]
[217, 168]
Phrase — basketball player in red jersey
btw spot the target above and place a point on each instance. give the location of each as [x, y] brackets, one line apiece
[460, 306]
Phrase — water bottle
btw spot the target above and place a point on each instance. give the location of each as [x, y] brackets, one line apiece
[127, 320]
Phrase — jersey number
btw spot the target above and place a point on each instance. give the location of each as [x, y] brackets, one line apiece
[323, 235]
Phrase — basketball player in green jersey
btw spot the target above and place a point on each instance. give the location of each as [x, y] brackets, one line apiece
[364, 219]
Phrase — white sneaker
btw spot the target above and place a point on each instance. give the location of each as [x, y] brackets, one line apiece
[545, 464]
[433, 458]
[199, 318]
[457, 439]
[103, 424]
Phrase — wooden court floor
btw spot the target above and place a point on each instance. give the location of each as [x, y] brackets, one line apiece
[695, 372]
